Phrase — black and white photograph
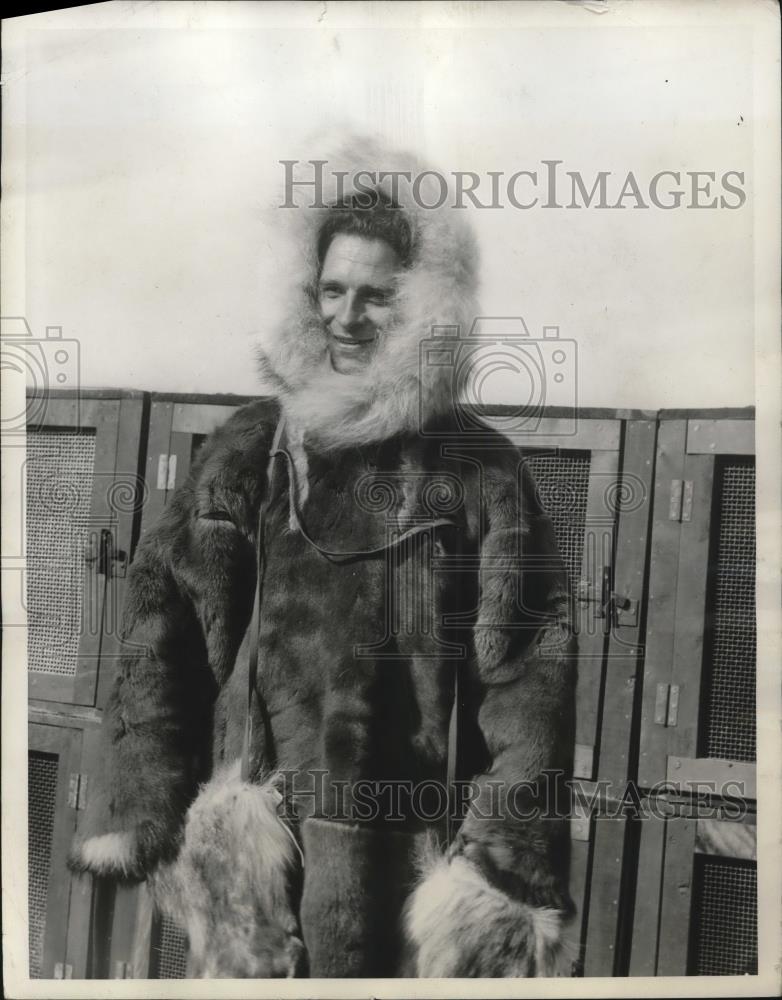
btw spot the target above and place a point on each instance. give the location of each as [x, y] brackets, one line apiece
[391, 515]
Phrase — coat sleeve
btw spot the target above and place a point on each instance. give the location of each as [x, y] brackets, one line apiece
[496, 903]
[187, 606]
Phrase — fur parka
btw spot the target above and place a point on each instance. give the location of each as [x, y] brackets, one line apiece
[402, 553]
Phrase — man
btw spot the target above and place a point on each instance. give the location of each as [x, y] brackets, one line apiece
[401, 565]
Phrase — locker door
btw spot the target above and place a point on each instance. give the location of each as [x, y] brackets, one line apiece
[696, 909]
[698, 717]
[53, 775]
[697, 881]
[596, 484]
[81, 493]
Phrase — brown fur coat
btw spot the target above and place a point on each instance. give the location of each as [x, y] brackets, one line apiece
[360, 637]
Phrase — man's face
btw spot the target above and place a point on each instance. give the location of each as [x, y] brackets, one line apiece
[357, 283]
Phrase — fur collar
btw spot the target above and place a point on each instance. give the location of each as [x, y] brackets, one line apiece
[399, 389]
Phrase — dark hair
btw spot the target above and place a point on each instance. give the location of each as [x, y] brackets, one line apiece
[382, 220]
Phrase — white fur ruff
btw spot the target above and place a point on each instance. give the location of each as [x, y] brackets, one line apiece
[460, 925]
[399, 388]
[229, 887]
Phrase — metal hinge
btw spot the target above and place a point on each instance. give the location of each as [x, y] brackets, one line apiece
[680, 505]
[63, 971]
[166, 472]
[666, 705]
[77, 791]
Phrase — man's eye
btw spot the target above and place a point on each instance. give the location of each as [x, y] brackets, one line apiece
[377, 299]
[330, 293]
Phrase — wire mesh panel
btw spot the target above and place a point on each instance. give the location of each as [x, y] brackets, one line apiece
[59, 485]
[729, 678]
[563, 489]
[42, 794]
[725, 939]
[169, 959]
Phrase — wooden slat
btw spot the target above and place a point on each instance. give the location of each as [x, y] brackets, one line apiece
[676, 900]
[62, 714]
[708, 413]
[734, 779]
[597, 553]
[182, 447]
[566, 412]
[643, 951]
[33, 393]
[576, 433]
[96, 587]
[661, 612]
[690, 619]
[210, 398]
[51, 411]
[575, 930]
[126, 507]
[80, 926]
[142, 934]
[159, 440]
[604, 897]
[79, 922]
[720, 437]
[50, 687]
[199, 418]
[624, 647]
[123, 936]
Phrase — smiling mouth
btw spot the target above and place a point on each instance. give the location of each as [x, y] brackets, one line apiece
[351, 341]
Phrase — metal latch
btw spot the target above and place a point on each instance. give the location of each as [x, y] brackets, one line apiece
[680, 505]
[614, 609]
[666, 705]
[77, 791]
[108, 560]
[625, 611]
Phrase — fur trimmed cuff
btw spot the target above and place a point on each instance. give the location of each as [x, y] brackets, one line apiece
[459, 925]
[128, 854]
[230, 887]
[110, 854]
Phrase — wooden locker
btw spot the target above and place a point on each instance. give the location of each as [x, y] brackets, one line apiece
[83, 497]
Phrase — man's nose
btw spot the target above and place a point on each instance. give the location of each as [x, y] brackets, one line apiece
[350, 312]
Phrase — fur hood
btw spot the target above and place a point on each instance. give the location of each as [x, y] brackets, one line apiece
[439, 289]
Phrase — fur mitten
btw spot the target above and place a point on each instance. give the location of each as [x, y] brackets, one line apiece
[458, 924]
[230, 887]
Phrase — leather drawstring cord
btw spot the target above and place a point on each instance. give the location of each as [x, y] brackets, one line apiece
[340, 557]
[255, 621]
[453, 731]
[279, 448]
